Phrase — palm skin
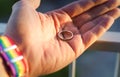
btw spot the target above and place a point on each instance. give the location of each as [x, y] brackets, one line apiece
[35, 33]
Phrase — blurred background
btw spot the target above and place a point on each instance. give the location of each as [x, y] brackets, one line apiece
[89, 64]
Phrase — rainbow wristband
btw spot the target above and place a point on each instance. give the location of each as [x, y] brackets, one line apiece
[13, 57]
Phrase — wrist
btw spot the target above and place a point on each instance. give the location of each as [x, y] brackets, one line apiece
[3, 71]
[13, 57]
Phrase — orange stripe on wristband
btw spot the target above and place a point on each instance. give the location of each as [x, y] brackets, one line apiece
[13, 57]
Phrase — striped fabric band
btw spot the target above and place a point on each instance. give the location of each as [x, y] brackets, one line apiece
[13, 57]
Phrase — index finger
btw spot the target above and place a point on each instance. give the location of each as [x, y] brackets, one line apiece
[81, 6]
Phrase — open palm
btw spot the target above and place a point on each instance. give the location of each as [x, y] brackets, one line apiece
[36, 33]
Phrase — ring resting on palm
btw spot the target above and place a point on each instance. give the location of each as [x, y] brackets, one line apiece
[65, 35]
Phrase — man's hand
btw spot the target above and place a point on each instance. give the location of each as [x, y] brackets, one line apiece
[36, 33]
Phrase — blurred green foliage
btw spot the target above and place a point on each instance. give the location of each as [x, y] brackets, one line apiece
[5, 7]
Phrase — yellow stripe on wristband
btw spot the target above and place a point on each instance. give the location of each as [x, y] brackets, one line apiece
[12, 55]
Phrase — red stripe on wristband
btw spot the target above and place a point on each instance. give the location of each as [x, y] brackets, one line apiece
[13, 57]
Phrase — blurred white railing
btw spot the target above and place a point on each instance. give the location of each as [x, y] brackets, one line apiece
[2, 27]
[110, 42]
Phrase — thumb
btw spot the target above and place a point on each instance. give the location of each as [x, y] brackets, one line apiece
[34, 3]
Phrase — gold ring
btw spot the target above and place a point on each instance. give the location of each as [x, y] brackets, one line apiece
[65, 35]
